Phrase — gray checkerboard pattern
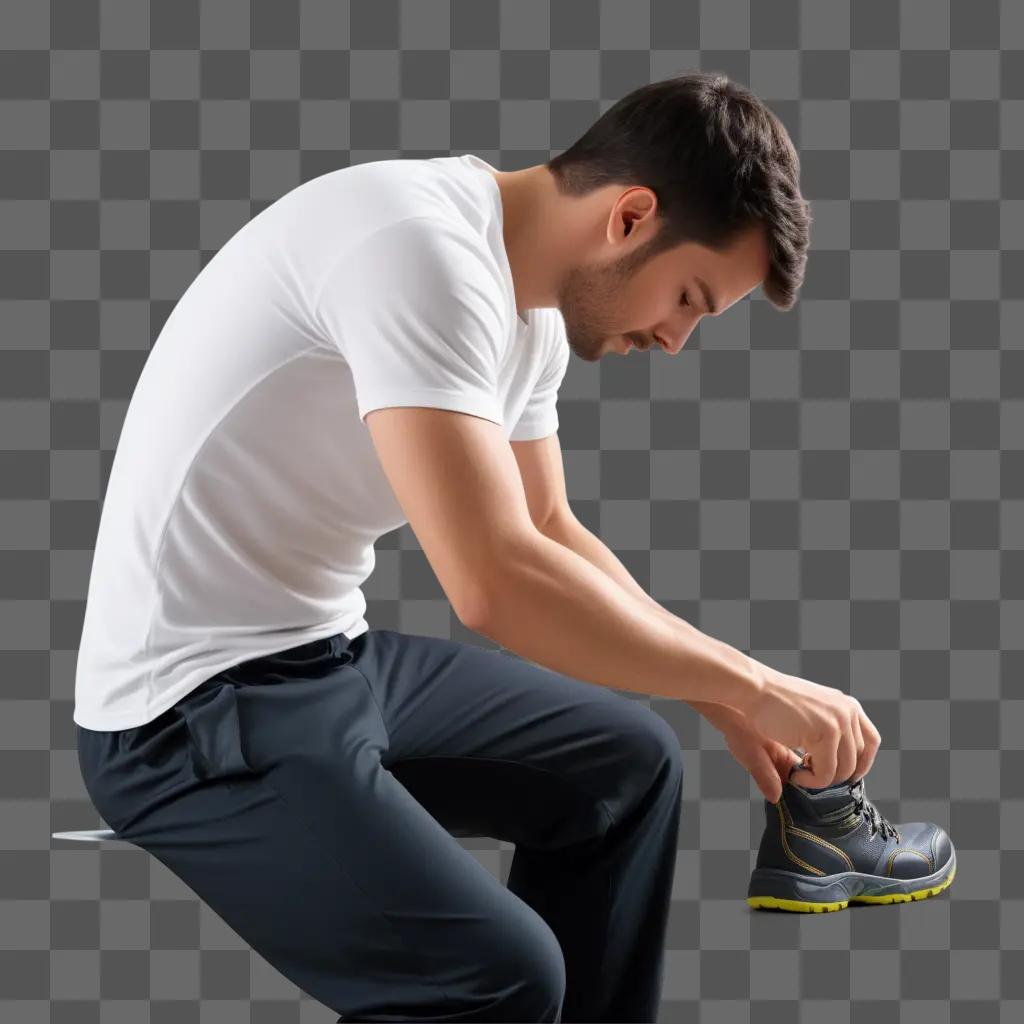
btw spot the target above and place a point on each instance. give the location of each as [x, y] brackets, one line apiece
[855, 467]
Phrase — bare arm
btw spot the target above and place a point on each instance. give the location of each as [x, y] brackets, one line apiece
[799, 713]
[456, 477]
[571, 533]
[556, 607]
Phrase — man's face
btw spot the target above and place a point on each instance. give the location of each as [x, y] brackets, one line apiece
[643, 302]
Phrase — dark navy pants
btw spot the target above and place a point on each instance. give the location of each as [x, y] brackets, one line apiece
[312, 797]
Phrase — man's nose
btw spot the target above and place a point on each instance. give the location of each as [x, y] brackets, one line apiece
[673, 342]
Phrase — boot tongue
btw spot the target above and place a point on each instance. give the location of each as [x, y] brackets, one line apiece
[831, 801]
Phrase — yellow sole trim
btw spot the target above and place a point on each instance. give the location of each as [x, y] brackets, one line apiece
[808, 906]
[802, 906]
[906, 897]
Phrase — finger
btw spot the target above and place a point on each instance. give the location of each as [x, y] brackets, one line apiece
[872, 741]
[800, 772]
[783, 761]
[859, 735]
[784, 757]
[766, 775]
[822, 756]
[846, 759]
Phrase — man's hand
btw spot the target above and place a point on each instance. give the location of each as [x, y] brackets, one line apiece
[767, 760]
[839, 739]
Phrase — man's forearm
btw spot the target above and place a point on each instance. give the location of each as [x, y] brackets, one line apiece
[574, 535]
[550, 604]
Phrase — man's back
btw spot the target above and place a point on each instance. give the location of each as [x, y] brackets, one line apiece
[245, 494]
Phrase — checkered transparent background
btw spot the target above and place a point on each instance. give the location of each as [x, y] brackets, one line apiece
[837, 490]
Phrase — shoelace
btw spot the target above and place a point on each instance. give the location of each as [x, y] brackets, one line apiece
[862, 805]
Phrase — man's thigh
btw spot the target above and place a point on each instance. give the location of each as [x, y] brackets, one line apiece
[492, 744]
[263, 791]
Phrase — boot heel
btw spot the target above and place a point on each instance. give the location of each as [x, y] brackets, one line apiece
[771, 889]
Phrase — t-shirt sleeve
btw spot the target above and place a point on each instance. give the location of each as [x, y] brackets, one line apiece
[418, 316]
[540, 416]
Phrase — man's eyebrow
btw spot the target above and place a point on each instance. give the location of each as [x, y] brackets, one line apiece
[707, 294]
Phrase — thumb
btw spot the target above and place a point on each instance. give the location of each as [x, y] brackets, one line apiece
[766, 775]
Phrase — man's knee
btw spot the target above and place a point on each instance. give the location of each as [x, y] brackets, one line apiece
[656, 748]
[527, 977]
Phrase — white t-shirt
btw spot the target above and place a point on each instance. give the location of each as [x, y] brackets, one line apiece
[245, 494]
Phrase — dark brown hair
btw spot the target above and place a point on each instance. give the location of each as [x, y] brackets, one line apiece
[716, 157]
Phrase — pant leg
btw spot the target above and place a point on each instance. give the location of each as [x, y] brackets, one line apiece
[264, 791]
[585, 781]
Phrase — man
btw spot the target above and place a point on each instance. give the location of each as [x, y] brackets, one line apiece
[384, 344]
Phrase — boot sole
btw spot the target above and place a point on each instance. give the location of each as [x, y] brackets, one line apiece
[785, 890]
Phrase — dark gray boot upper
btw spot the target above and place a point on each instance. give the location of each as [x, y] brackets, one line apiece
[836, 829]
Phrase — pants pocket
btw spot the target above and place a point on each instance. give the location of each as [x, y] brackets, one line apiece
[214, 735]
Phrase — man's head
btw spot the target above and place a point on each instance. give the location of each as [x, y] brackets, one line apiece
[683, 181]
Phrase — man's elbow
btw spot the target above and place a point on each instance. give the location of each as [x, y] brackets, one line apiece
[474, 619]
[474, 607]
[495, 587]
[469, 593]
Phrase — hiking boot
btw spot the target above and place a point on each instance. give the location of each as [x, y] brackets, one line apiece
[823, 849]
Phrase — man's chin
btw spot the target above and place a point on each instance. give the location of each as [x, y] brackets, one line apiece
[590, 356]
